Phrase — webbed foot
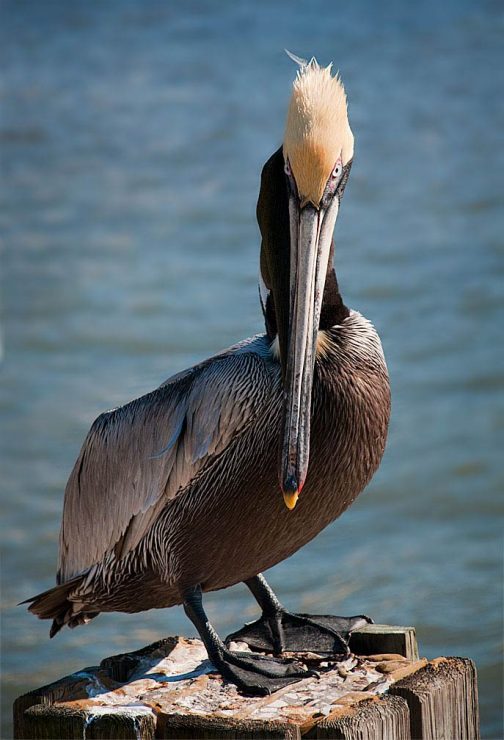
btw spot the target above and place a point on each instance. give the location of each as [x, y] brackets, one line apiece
[278, 630]
[283, 631]
[258, 674]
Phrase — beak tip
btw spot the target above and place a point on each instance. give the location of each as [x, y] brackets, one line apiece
[290, 499]
[291, 490]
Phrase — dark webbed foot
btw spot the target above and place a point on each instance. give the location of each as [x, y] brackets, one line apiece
[253, 674]
[278, 630]
[283, 631]
[258, 674]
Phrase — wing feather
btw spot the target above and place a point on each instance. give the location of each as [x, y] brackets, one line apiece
[137, 457]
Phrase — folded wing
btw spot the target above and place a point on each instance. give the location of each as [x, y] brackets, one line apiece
[136, 458]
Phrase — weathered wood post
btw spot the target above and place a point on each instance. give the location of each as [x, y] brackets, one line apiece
[169, 690]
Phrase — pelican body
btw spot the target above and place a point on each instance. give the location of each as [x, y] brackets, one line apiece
[233, 465]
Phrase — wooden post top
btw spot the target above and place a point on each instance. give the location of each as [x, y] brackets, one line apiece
[170, 690]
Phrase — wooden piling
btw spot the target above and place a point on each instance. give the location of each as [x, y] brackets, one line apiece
[170, 690]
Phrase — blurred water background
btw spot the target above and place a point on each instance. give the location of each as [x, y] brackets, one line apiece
[132, 139]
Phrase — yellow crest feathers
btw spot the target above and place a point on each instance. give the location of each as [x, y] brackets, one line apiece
[317, 131]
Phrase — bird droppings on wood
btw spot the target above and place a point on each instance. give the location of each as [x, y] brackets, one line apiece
[170, 690]
[172, 681]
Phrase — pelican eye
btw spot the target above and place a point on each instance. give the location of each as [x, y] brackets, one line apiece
[332, 187]
[337, 171]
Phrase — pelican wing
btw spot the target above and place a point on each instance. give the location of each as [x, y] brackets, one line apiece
[137, 457]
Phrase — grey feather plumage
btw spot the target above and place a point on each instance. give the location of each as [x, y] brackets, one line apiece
[138, 457]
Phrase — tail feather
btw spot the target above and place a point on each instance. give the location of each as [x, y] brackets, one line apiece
[55, 604]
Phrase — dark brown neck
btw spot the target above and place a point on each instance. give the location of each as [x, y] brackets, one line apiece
[333, 310]
[273, 219]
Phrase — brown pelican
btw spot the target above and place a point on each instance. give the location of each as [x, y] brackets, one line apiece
[195, 486]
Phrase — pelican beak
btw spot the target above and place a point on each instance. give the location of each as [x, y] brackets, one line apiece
[311, 231]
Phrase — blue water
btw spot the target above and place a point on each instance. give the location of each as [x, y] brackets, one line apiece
[132, 137]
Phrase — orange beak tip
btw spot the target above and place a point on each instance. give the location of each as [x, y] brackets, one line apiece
[290, 499]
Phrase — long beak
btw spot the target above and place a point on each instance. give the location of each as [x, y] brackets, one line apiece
[311, 233]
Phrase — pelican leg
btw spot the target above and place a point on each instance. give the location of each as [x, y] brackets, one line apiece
[277, 630]
[253, 674]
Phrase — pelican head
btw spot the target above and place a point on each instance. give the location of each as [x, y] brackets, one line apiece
[297, 244]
